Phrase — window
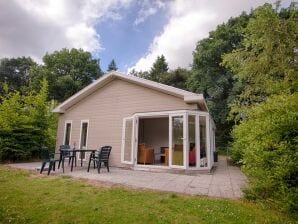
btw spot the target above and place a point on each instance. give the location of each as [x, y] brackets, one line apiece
[192, 140]
[83, 139]
[84, 132]
[203, 142]
[67, 133]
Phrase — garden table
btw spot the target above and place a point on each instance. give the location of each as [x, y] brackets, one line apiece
[75, 151]
[84, 150]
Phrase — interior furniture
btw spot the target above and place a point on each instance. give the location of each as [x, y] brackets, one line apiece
[48, 157]
[162, 154]
[192, 157]
[178, 155]
[166, 156]
[145, 155]
[99, 157]
[203, 162]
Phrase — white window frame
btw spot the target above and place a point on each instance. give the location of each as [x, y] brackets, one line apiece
[208, 153]
[132, 140]
[197, 141]
[64, 136]
[185, 113]
[80, 139]
[207, 117]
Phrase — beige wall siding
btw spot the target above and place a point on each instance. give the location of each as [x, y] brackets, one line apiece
[105, 110]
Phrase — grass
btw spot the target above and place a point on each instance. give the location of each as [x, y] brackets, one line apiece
[30, 198]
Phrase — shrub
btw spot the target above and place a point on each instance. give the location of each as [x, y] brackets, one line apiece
[266, 144]
[26, 124]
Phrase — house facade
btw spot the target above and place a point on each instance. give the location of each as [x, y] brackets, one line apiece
[148, 124]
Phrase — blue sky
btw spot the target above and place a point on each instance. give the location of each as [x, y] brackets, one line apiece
[133, 32]
[126, 42]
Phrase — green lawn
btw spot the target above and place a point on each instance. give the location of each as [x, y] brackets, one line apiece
[28, 198]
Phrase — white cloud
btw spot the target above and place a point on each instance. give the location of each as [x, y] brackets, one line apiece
[189, 22]
[33, 27]
[148, 8]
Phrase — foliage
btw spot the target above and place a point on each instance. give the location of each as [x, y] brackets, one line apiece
[159, 69]
[176, 78]
[25, 124]
[211, 78]
[268, 141]
[15, 72]
[265, 140]
[267, 63]
[67, 72]
[112, 66]
[159, 72]
[49, 200]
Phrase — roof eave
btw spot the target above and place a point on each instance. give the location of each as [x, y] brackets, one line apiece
[194, 98]
[188, 97]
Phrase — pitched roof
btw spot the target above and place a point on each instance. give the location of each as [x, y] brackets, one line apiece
[187, 96]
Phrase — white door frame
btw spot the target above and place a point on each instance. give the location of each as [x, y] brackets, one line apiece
[170, 114]
[132, 140]
[183, 115]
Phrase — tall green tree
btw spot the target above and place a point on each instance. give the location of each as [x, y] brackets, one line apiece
[26, 124]
[159, 69]
[267, 63]
[15, 72]
[213, 79]
[67, 72]
[160, 72]
[176, 78]
[112, 66]
[265, 137]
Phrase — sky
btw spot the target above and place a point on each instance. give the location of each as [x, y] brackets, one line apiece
[132, 32]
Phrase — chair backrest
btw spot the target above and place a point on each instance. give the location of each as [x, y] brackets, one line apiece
[45, 154]
[64, 147]
[105, 152]
[142, 146]
[64, 150]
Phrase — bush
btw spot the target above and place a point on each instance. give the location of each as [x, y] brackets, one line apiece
[266, 144]
[26, 124]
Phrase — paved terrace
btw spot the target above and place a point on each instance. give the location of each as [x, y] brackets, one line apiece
[225, 181]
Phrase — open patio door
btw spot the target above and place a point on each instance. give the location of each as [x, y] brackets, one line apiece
[177, 140]
[127, 140]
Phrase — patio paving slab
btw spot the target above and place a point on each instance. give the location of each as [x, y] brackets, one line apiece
[225, 181]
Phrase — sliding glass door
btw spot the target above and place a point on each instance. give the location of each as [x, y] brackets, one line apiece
[177, 141]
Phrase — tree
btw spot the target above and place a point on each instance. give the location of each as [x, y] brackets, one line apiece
[159, 69]
[176, 78]
[67, 72]
[26, 124]
[159, 72]
[266, 143]
[265, 137]
[140, 74]
[15, 72]
[112, 66]
[266, 64]
[213, 79]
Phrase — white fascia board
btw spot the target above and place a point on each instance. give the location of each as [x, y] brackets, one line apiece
[155, 85]
[198, 98]
[188, 97]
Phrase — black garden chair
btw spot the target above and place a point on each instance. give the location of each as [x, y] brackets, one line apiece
[100, 157]
[48, 157]
[67, 153]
